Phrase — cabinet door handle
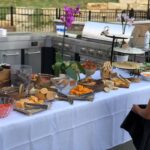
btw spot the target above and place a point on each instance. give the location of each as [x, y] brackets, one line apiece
[31, 53]
[67, 55]
[14, 54]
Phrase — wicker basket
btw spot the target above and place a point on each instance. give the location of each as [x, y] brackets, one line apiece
[4, 78]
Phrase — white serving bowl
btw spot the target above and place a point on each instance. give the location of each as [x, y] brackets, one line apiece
[146, 75]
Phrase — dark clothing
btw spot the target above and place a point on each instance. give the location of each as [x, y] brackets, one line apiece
[139, 130]
[131, 13]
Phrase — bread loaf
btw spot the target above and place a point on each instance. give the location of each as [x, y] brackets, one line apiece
[106, 70]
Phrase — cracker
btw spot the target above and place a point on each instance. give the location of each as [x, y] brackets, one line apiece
[44, 90]
[41, 96]
[50, 95]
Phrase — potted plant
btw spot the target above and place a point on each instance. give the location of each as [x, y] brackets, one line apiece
[67, 20]
[71, 68]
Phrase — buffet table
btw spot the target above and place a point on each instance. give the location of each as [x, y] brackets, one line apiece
[81, 126]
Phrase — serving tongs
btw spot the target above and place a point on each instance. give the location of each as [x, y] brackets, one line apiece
[6, 91]
[29, 106]
[124, 79]
[71, 98]
[63, 97]
[84, 97]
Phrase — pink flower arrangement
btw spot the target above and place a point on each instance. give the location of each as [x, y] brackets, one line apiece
[70, 14]
[67, 19]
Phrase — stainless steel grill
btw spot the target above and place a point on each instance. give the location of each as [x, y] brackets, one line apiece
[92, 44]
[95, 30]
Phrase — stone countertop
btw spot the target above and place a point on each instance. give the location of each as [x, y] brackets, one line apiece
[74, 22]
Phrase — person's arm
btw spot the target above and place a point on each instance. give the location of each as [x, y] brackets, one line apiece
[143, 112]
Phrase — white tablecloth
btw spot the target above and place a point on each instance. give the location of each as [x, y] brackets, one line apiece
[81, 126]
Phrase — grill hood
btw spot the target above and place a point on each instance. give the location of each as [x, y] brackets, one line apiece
[93, 30]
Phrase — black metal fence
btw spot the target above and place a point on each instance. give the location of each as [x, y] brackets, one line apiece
[42, 20]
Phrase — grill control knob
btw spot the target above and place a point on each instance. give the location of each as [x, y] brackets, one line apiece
[66, 45]
[99, 53]
[83, 50]
[91, 51]
[59, 44]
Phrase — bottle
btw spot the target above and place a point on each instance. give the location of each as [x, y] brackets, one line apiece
[146, 40]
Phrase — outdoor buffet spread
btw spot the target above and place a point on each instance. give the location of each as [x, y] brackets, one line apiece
[108, 93]
[33, 93]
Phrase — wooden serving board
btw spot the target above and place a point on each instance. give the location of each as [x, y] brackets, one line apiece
[98, 87]
[30, 111]
[126, 65]
[70, 98]
[85, 97]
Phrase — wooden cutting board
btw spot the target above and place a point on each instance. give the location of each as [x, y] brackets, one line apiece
[31, 111]
[98, 87]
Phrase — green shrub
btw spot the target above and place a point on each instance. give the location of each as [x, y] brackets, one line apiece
[3, 12]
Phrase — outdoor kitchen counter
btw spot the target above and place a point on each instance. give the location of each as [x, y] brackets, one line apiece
[19, 40]
[81, 126]
[23, 48]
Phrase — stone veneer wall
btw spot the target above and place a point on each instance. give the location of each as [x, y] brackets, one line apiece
[123, 4]
[139, 34]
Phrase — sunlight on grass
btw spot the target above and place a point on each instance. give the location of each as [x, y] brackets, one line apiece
[50, 3]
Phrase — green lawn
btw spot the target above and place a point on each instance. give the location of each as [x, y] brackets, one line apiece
[50, 3]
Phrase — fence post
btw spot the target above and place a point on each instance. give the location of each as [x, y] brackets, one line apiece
[148, 10]
[59, 13]
[104, 18]
[11, 16]
[89, 17]
[116, 13]
[56, 13]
